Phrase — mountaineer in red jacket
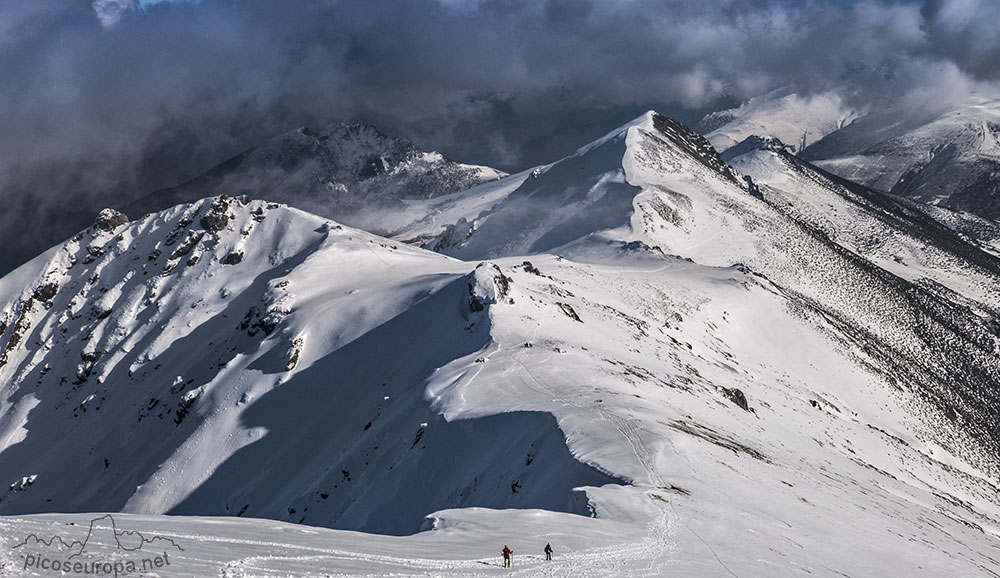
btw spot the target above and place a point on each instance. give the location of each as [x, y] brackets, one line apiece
[507, 553]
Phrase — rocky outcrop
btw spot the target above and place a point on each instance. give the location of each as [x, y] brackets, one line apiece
[109, 220]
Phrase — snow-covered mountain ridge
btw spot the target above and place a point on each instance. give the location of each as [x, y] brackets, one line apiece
[192, 310]
[687, 198]
[735, 377]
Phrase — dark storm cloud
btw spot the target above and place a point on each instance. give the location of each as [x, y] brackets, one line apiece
[105, 101]
[965, 31]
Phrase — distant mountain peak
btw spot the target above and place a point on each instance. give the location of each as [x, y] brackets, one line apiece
[946, 155]
[350, 172]
[757, 143]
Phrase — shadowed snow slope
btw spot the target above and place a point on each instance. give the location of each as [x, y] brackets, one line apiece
[734, 378]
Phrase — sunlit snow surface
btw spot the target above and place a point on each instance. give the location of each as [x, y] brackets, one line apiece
[574, 381]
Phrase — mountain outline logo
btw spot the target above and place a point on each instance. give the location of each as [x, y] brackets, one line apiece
[118, 535]
[132, 550]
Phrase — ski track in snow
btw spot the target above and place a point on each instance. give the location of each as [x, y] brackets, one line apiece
[653, 552]
[630, 431]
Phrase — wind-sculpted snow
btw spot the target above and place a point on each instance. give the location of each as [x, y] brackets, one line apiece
[554, 206]
[582, 195]
[724, 376]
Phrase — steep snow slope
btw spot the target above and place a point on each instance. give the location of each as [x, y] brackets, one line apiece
[794, 119]
[555, 205]
[951, 159]
[349, 172]
[733, 391]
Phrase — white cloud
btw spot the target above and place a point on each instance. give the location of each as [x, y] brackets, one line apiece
[111, 12]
